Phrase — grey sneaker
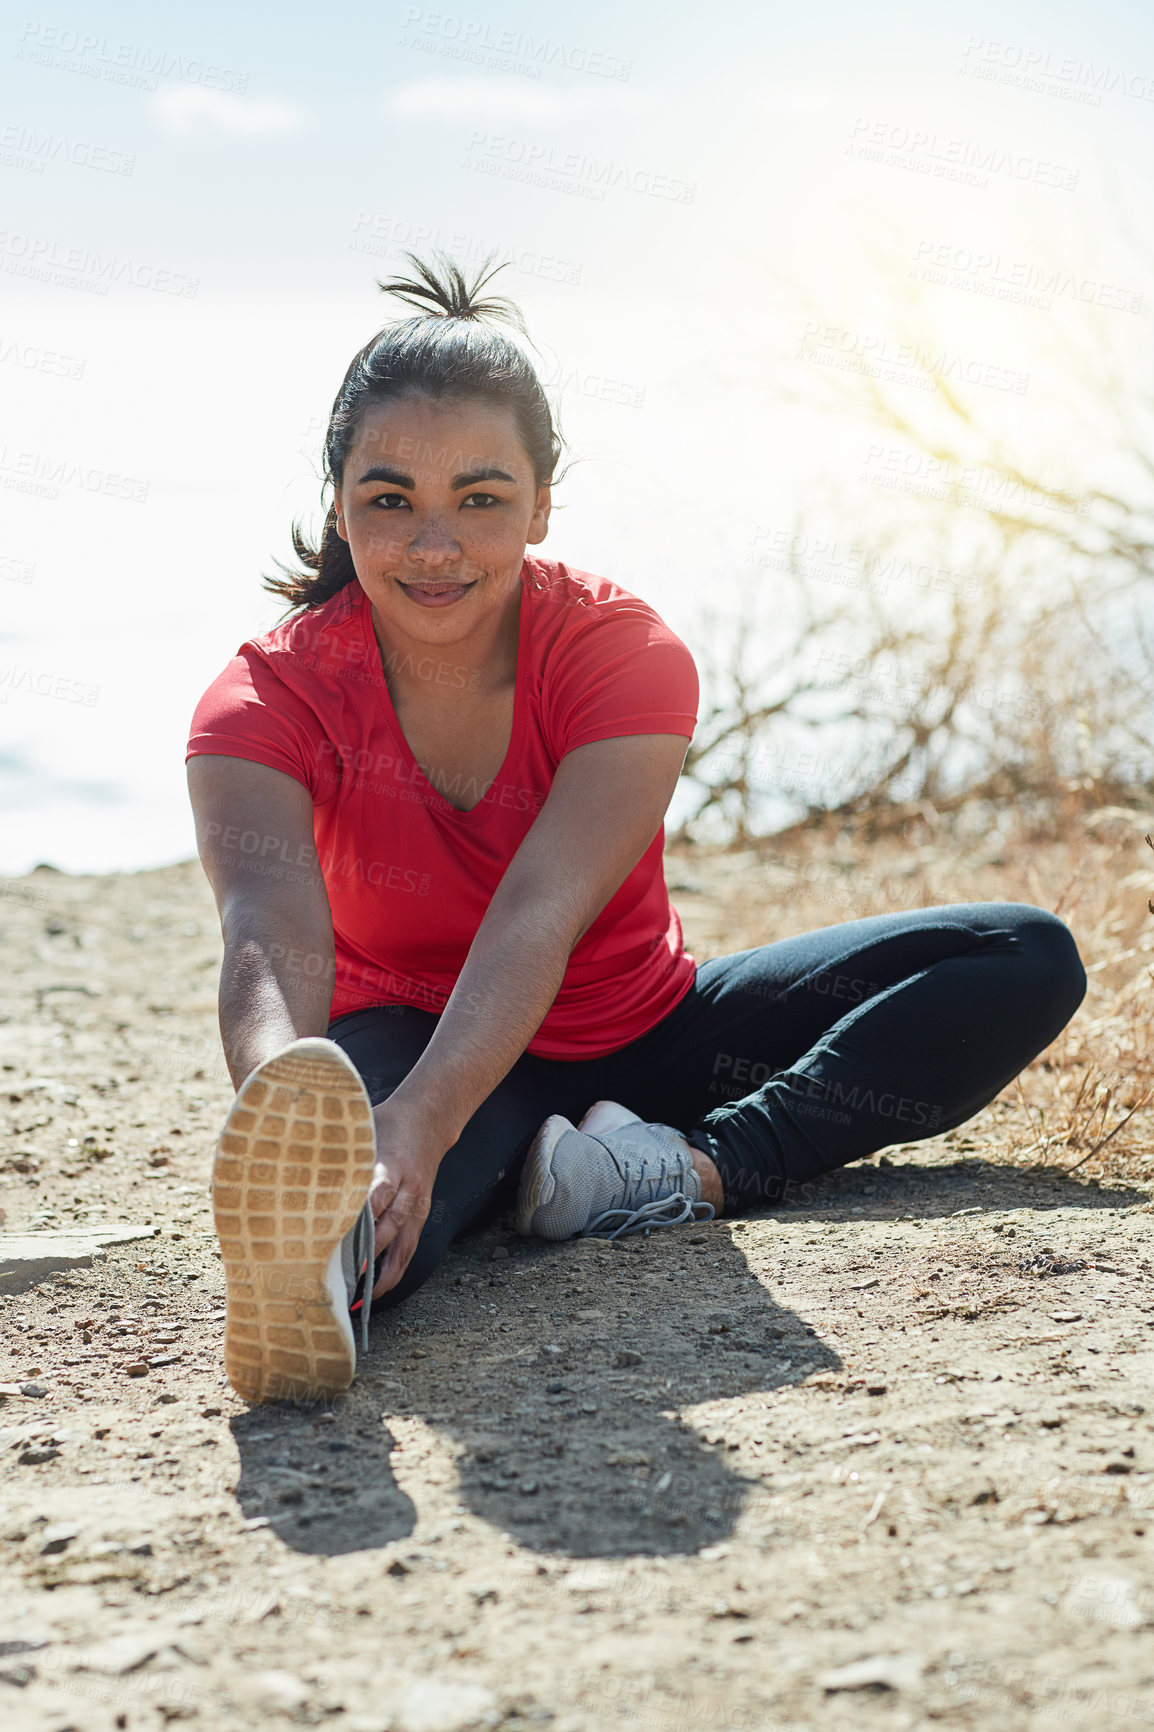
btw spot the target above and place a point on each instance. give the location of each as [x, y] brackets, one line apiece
[607, 1186]
[290, 1188]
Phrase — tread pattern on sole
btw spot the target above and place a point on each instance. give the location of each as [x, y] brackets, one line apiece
[292, 1169]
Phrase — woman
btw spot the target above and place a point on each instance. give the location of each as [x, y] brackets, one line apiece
[431, 806]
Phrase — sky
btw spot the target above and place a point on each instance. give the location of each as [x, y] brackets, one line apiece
[708, 212]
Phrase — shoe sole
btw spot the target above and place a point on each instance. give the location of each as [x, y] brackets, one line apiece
[292, 1170]
[538, 1183]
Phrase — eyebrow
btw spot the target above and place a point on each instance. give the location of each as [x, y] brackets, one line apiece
[385, 472]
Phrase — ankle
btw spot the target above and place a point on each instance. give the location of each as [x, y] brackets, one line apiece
[712, 1190]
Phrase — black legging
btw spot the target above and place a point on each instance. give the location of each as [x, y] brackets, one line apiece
[781, 1062]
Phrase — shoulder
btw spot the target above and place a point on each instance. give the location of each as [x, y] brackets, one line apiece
[319, 640]
[569, 603]
[606, 662]
[292, 670]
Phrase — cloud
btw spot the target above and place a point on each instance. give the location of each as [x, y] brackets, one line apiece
[503, 99]
[190, 109]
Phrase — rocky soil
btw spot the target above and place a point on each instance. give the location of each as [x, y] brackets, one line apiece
[884, 1460]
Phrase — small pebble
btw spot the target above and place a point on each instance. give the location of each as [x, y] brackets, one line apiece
[627, 1356]
[33, 1389]
[56, 1537]
[137, 1368]
[499, 1253]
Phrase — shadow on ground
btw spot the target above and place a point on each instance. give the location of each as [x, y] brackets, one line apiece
[558, 1372]
[321, 1477]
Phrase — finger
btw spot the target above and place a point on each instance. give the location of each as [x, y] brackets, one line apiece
[383, 1193]
[406, 1221]
[408, 1205]
[397, 1258]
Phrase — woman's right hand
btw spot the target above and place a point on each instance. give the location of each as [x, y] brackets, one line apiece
[408, 1159]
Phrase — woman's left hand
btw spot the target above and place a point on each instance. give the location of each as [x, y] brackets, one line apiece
[401, 1195]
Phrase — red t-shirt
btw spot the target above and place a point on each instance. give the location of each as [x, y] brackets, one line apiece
[409, 876]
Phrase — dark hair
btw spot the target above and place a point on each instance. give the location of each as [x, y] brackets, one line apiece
[445, 351]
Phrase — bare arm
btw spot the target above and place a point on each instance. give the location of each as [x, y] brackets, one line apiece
[254, 829]
[606, 804]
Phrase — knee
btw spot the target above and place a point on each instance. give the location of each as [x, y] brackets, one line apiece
[1056, 969]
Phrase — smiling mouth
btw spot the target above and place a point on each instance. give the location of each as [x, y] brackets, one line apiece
[437, 586]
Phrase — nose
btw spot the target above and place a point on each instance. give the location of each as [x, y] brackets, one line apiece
[434, 547]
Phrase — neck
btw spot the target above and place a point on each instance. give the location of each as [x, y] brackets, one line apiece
[473, 666]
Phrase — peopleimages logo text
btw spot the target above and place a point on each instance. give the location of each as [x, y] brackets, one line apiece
[569, 170]
[92, 53]
[518, 50]
[35, 255]
[24, 147]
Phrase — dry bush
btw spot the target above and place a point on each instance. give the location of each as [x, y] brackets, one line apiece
[984, 629]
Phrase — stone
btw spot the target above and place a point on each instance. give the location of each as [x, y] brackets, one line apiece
[57, 1537]
[1106, 1600]
[120, 1654]
[878, 1672]
[433, 1705]
[26, 1259]
[26, 1644]
[627, 1356]
[274, 1691]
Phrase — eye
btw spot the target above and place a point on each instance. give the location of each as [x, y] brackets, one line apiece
[482, 499]
[390, 501]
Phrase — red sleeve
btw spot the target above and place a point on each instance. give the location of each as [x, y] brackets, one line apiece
[249, 712]
[623, 672]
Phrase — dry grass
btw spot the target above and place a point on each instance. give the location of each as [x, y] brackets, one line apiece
[1087, 1102]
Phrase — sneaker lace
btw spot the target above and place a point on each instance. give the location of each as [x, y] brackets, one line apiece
[669, 1211]
[360, 1301]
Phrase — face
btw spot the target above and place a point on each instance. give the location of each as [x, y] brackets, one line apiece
[437, 503]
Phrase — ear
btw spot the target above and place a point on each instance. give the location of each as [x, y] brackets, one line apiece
[342, 529]
[539, 522]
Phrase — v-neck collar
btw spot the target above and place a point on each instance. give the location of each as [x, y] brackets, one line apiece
[433, 796]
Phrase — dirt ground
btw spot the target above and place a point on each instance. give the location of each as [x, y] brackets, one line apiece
[884, 1460]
